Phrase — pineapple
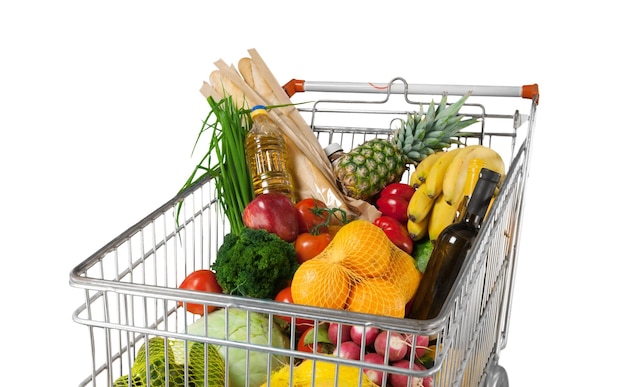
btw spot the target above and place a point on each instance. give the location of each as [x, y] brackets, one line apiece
[367, 169]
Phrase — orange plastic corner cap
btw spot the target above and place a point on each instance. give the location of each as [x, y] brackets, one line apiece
[531, 91]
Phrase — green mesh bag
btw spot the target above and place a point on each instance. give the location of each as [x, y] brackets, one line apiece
[154, 369]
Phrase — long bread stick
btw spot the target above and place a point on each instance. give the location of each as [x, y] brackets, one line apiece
[252, 83]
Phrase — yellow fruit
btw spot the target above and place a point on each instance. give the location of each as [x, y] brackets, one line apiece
[404, 274]
[365, 297]
[454, 181]
[419, 205]
[324, 373]
[318, 282]
[358, 252]
[418, 230]
[361, 247]
[434, 182]
[420, 174]
[441, 216]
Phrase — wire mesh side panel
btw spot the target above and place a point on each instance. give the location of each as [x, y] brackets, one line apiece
[479, 309]
[127, 282]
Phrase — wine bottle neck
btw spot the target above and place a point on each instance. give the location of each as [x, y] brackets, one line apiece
[474, 220]
[481, 197]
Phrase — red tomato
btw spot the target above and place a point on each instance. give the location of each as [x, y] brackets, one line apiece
[309, 246]
[305, 343]
[202, 281]
[285, 296]
[311, 212]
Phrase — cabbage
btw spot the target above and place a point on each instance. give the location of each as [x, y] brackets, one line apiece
[259, 324]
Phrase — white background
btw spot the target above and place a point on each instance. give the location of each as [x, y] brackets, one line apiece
[99, 108]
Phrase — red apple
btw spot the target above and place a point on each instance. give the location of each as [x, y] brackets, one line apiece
[273, 212]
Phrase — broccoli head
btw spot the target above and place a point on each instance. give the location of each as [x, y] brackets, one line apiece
[254, 263]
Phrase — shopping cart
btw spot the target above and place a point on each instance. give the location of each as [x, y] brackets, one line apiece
[131, 283]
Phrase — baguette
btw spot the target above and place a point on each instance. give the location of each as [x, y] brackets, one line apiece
[251, 75]
[252, 83]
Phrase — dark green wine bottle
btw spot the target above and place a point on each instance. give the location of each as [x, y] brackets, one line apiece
[450, 250]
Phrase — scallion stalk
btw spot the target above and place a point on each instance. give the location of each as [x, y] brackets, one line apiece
[225, 159]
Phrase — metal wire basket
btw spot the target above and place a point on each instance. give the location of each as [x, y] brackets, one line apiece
[131, 283]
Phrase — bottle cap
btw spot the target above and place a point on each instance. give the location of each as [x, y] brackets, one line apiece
[332, 148]
[258, 109]
[483, 192]
[490, 175]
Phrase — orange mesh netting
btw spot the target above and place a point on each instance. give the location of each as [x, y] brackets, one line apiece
[359, 271]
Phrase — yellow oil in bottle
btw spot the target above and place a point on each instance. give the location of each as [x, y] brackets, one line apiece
[266, 154]
[473, 172]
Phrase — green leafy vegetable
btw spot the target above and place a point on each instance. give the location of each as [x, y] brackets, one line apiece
[225, 159]
[247, 327]
[421, 253]
[254, 263]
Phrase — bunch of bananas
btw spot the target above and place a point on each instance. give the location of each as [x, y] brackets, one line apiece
[440, 182]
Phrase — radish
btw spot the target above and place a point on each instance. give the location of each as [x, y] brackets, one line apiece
[375, 376]
[421, 345]
[348, 350]
[333, 332]
[359, 333]
[397, 346]
[400, 380]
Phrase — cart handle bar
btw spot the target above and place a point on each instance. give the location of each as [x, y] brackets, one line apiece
[296, 85]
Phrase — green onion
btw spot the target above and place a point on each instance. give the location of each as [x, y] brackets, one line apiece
[225, 159]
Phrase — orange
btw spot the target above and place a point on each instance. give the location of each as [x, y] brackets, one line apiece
[361, 247]
[377, 296]
[318, 282]
[403, 273]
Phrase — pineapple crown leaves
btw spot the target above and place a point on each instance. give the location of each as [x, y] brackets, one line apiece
[424, 133]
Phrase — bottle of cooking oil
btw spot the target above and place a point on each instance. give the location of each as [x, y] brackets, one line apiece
[266, 155]
[473, 172]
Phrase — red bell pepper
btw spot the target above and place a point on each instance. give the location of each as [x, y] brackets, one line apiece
[394, 206]
[405, 191]
[396, 232]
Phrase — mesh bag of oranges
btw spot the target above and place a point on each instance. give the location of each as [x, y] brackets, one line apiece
[361, 270]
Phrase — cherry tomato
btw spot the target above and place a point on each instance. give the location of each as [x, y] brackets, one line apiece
[285, 296]
[203, 281]
[311, 212]
[309, 246]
